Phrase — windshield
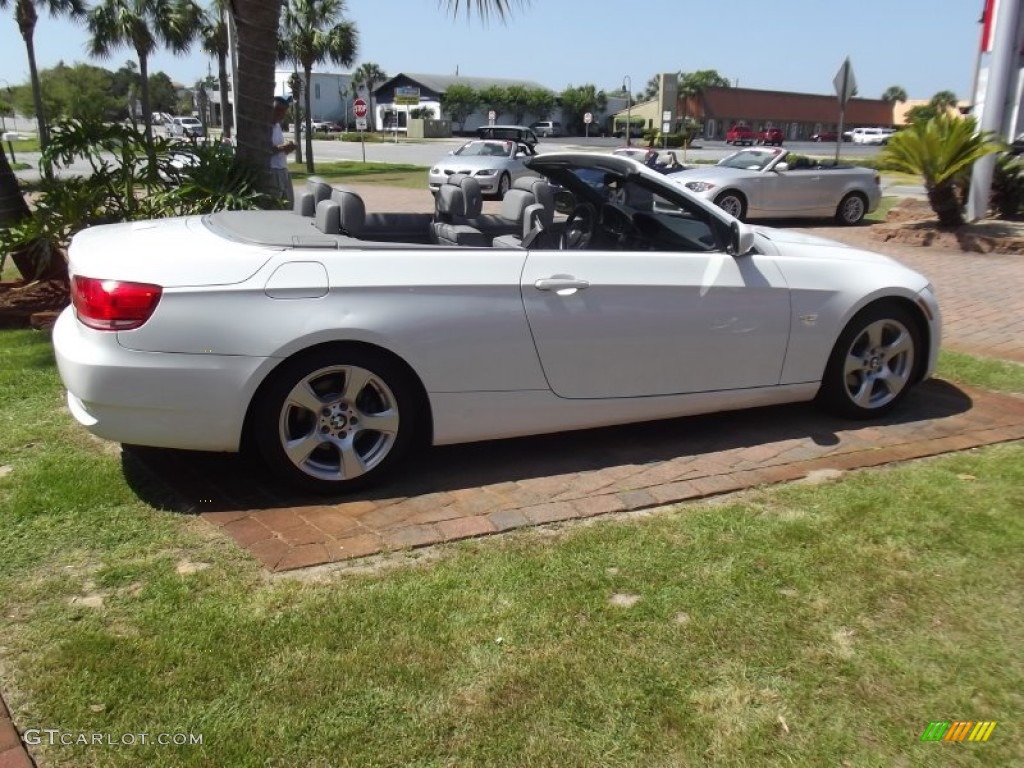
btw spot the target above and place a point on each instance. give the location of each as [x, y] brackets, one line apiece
[189, 121]
[486, 149]
[750, 159]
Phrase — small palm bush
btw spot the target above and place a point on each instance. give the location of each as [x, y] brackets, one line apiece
[942, 151]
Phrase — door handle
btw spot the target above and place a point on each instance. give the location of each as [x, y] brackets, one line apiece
[560, 284]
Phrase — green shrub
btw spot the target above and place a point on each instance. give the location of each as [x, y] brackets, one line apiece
[1007, 195]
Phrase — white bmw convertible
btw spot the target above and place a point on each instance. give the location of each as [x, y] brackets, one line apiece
[333, 340]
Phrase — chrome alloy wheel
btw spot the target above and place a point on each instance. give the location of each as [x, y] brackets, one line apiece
[338, 423]
[879, 363]
[852, 209]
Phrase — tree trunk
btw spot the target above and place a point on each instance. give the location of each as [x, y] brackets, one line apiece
[308, 118]
[946, 205]
[256, 23]
[147, 116]
[31, 260]
[222, 78]
[27, 17]
[295, 86]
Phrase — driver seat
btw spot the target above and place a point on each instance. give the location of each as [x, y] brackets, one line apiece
[533, 228]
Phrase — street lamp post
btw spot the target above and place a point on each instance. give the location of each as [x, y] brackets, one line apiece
[629, 109]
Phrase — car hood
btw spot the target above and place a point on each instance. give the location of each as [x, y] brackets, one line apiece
[714, 173]
[474, 161]
[795, 243]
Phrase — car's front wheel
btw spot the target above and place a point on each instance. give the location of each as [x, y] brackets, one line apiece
[852, 209]
[874, 362]
[336, 419]
[504, 184]
[732, 203]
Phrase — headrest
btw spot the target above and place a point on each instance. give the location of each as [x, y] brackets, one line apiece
[328, 217]
[451, 201]
[353, 210]
[305, 204]
[542, 192]
[470, 191]
[319, 188]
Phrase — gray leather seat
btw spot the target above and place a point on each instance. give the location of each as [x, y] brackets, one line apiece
[525, 191]
[457, 200]
[533, 227]
[351, 211]
[328, 217]
[316, 190]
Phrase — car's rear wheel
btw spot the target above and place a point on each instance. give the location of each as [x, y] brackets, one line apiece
[852, 209]
[335, 420]
[874, 362]
[732, 203]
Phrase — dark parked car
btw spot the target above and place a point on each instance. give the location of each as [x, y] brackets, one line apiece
[825, 136]
[507, 133]
[770, 136]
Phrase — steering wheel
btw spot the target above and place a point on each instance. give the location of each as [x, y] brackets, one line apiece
[579, 228]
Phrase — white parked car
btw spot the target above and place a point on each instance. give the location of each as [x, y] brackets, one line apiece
[185, 127]
[774, 183]
[336, 343]
[876, 136]
[494, 163]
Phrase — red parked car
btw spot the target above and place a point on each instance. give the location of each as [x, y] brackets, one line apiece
[740, 134]
[771, 136]
[825, 136]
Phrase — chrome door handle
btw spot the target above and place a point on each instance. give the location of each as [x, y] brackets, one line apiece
[560, 284]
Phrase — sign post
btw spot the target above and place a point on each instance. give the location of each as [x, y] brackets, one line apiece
[491, 116]
[359, 109]
[588, 118]
[845, 84]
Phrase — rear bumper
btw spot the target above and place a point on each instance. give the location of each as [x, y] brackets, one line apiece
[166, 400]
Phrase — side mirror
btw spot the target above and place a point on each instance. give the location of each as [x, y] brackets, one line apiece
[782, 167]
[741, 239]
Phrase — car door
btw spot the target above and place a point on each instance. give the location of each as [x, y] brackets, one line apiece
[799, 190]
[612, 323]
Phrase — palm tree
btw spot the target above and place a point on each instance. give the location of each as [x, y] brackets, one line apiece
[943, 101]
[26, 13]
[256, 25]
[312, 34]
[942, 151]
[894, 94]
[367, 76]
[143, 25]
[214, 35]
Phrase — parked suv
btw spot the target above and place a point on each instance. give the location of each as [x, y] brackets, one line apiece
[871, 135]
[547, 128]
[772, 136]
[185, 127]
[740, 134]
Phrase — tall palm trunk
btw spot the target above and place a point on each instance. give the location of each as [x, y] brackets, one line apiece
[27, 18]
[147, 116]
[295, 86]
[222, 78]
[308, 118]
[944, 201]
[256, 22]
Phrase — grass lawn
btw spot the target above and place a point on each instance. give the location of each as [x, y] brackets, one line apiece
[796, 626]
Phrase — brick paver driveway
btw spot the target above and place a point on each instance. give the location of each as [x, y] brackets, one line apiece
[462, 491]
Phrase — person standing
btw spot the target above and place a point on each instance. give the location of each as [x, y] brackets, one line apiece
[281, 148]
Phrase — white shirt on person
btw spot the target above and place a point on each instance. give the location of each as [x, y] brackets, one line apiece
[278, 160]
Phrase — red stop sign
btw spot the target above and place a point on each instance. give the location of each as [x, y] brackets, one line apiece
[359, 107]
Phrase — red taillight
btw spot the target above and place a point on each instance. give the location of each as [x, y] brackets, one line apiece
[111, 305]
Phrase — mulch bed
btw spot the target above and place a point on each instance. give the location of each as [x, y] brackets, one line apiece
[912, 222]
[35, 304]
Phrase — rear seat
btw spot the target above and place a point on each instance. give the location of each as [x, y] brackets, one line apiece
[316, 190]
[457, 200]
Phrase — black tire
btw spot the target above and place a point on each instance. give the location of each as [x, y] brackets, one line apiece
[732, 203]
[874, 363]
[352, 391]
[852, 209]
[504, 185]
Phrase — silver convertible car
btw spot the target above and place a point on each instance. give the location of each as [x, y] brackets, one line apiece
[495, 164]
[334, 340]
[774, 183]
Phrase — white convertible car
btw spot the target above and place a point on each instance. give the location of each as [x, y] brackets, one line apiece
[335, 342]
[774, 183]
